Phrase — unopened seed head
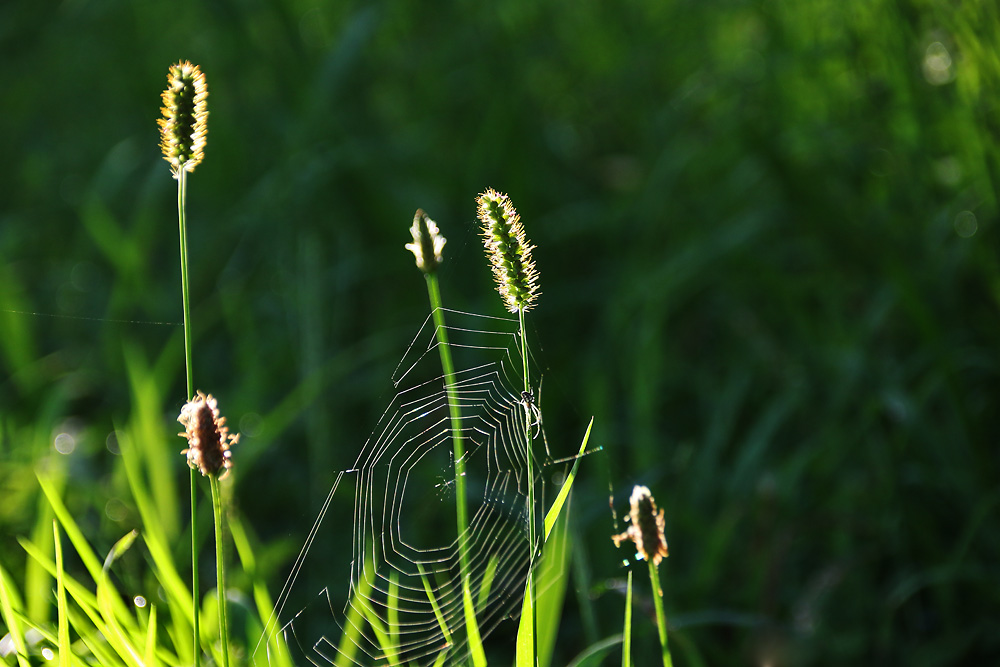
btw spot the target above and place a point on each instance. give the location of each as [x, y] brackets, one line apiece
[207, 435]
[184, 126]
[427, 242]
[508, 250]
[647, 527]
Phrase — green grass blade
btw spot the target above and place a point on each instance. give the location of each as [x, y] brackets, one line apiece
[553, 513]
[524, 655]
[73, 532]
[596, 652]
[63, 620]
[121, 624]
[442, 656]
[551, 576]
[627, 628]
[150, 655]
[487, 583]
[382, 635]
[472, 628]
[9, 603]
[277, 650]
[94, 640]
[437, 609]
[354, 623]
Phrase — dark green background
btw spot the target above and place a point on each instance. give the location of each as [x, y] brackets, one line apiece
[754, 229]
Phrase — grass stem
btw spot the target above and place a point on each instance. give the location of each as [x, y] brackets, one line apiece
[661, 618]
[220, 569]
[458, 446]
[186, 300]
[532, 537]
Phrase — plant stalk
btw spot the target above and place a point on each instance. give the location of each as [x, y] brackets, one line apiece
[661, 618]
[220, 569]
[532, 537]
[458, 447]
[185, 298]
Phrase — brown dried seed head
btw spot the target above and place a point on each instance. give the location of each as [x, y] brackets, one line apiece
[647, 528]
[207, 435]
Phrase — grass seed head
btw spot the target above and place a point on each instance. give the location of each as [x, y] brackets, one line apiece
[427, 242]
[207, 435]
[508, 250]
[184, 125]
[647, 527]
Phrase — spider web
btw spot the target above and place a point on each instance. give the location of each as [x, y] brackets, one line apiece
[398, 601]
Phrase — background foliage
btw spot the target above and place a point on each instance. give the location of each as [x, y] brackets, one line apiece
[767, 239]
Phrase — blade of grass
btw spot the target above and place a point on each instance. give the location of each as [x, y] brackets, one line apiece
[434, 605]
[9, 602]
[627, 628]
[278, 654]
[349, 639]
[524, 655]
[596, 652]
[553, 513]
[62, 620]
[552, 569]
[150, 655]
[487, 584]
[73, 532]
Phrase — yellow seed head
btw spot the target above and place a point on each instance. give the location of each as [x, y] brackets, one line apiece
[508, 250]
[185, 118]
[647, 527]
[427, 242]
[207, 435]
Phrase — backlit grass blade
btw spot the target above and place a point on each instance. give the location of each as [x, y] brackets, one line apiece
[627, 628]
[349, 638]
[593, 655]
[553, 513]
[9, 602]
[487, 583]
[62, 619]
[277, 650]
[437, 609]
[150, 655]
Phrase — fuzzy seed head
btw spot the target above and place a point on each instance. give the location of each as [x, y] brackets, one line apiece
[184, 125]
[427, 242]
[508, 250]
[647, 527]
[207, 435]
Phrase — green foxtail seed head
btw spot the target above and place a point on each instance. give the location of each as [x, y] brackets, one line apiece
[509, 251]
[427, 242]
[647, 527]
[207, 435]
[185, 118]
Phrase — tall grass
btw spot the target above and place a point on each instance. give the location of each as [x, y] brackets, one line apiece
[797, 340]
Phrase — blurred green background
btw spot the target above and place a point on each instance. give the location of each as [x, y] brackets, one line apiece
[768, 246]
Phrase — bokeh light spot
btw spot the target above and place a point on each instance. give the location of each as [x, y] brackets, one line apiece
[966, 224]
[65, 443]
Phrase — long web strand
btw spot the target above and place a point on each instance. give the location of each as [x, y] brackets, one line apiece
[185, 298]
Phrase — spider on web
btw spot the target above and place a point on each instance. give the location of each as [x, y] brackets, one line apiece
[532, 413]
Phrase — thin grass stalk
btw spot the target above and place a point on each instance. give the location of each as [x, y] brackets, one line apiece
[220, 569]
[448, 366]
[458, 447]
[62, 621]
[185, 298]
[530, 588]
[661, 618]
